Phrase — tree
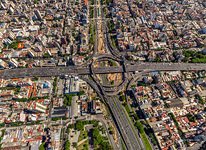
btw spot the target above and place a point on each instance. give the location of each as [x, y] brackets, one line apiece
[46, 55]
[105, 146]
[136, 116]
[188, 53]
[112, 82]
[200, 99]
[110, 130]
[36, 1]
[139, 127]
[14, 45]
[81, 93]
[79, 125]
[67, 145]
[123, 98]
[41, 147]
[97, 137]
[2, 125]
[35, 78]
[191, 118]
[54, 85]
[68, 99]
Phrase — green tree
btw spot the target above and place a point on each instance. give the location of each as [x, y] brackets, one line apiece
[68, 99]
[14, 45]
[67, 145]
[191, 117]
[110, 130]
[41, 147]
[54, 85]
[46, 55]
[81, 93]
[36, 1]
[139, 126]
[200, 99]
[79, 125]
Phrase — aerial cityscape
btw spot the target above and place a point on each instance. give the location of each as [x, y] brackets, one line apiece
[102, 75]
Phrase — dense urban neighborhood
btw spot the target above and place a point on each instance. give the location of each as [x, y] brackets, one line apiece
[102, 75]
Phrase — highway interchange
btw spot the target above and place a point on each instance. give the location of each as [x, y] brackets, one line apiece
[129, 135]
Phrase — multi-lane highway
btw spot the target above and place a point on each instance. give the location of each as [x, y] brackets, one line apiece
[125, 126]
[165, 66]
[129, 134]
[58, 71]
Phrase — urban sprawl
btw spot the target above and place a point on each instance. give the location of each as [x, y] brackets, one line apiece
[102, 74]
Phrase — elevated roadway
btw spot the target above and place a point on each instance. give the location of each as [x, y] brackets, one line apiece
[58, 71]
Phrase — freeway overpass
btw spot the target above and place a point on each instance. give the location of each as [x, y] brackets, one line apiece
[59, 71]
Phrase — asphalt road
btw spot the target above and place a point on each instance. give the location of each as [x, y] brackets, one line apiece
[130, 137]
[165, 66]
[58, 71]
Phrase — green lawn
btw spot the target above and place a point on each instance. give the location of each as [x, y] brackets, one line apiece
[145, 141]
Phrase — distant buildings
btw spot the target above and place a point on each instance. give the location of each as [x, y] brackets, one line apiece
[43, 29]
[153, 29]
[29, 106]
[174, 107]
